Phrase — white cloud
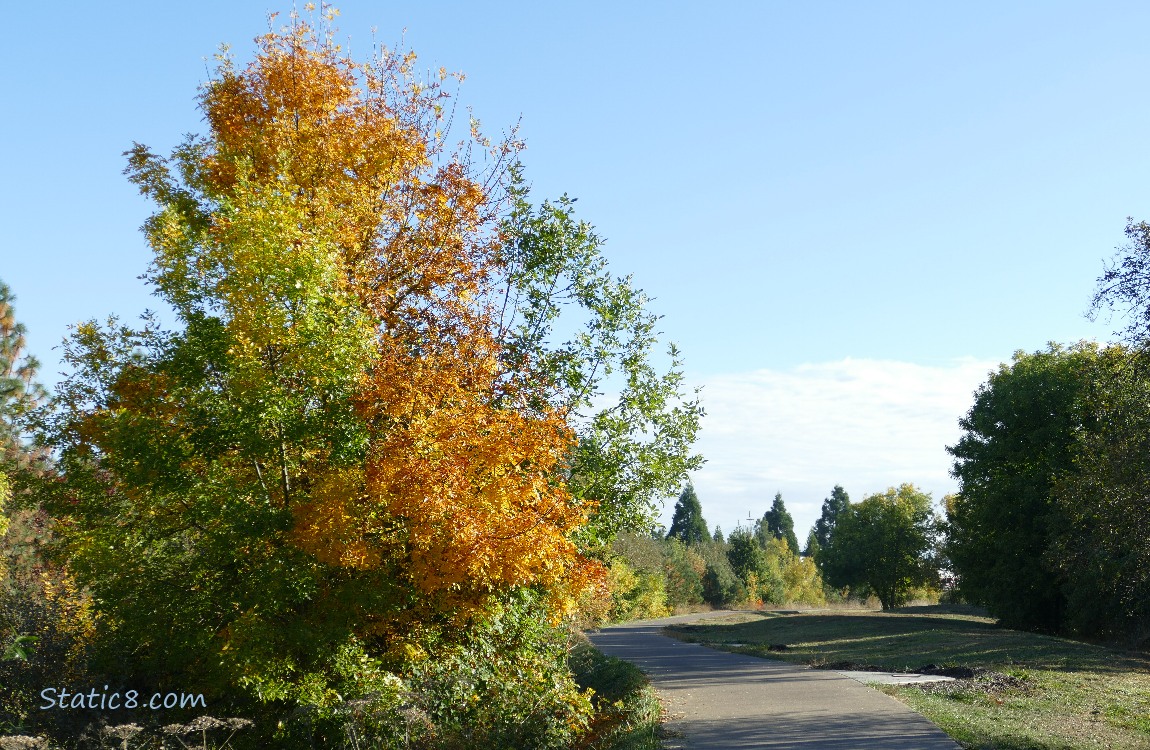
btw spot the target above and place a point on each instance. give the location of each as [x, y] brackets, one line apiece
[864, 424]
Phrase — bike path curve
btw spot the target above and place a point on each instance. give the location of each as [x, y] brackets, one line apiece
[715, 699]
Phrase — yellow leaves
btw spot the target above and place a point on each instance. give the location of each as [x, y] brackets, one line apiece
[5, 496]
[73, 610]
[331, 524]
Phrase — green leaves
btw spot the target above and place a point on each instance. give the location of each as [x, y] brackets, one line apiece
[884, 544]
[1096, 546]
[1021, 433]
[21, 648]
[568, 322]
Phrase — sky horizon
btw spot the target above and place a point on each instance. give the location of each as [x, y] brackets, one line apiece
[847, 216]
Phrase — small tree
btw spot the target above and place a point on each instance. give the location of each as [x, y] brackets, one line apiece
[885, 543]
[802, 582]
[687, 525]
[758, 571]
[813, 546]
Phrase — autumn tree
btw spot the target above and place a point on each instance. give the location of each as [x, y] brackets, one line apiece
[359, 435]
[5, 496]
[687, 523]
[884, 544]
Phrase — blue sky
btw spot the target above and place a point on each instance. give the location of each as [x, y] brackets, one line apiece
[847, 213]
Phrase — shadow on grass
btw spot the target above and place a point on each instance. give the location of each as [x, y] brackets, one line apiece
[899, 641]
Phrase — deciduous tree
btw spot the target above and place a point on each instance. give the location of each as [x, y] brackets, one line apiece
[1097, 549]
[637, 449]
[1125, 287]
[886, 544]
[347, 440]
[1020, 435]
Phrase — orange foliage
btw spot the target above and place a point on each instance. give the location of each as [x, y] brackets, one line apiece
[462, 486]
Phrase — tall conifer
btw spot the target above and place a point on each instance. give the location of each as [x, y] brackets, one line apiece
[687, 524]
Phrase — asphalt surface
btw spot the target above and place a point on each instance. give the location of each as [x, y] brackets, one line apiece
[716, 699]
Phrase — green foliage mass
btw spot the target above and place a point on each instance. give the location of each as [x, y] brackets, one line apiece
[1020, 435]
[885, 543]
[722, 588]
[1098, 548]
[760, 572]
[627, 709]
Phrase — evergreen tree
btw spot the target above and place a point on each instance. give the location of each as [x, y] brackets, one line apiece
[832, 507]
[718, 536]
[19, 391]
[777, 522]
[687, 525]
[813, 545]
[887, 544]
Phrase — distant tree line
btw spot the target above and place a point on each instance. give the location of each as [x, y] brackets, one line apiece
[884, 547]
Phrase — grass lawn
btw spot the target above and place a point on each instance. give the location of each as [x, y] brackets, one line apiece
[1028, 691]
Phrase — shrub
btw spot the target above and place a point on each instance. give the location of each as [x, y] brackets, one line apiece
[627, 710]
[801, 580]
[636, 594]
[684, 569]
[721, 587]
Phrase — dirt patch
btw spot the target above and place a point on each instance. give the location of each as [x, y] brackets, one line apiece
[985, 681]
[966, 679]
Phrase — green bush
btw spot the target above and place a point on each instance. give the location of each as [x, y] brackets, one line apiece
[721, 587]
[684, 569]
[635, 595]
[627, 710]
[505, 684]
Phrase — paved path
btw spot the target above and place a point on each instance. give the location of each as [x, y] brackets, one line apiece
[716, 699]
